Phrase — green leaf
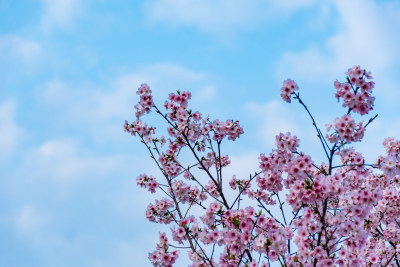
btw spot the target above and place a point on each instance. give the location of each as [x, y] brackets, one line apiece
[236, 222]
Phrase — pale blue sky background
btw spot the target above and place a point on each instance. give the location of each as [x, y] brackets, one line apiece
[69, 71]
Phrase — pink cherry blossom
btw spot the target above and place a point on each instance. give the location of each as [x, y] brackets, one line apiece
[289, 86]
[293, 211]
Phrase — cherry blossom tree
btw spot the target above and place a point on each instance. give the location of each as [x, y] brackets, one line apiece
[297, 212]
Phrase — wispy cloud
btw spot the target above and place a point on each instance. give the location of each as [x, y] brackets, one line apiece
[60, 13]
[63, 161]
[94, 107]
[29, 220]
[69, 180]
[276, 118]
[10, 132]
[15, 47]
[220, 17]
[368, 37]
[66, 168]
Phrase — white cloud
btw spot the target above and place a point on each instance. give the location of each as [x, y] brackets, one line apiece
[62, 161]
[53, 93]
[98, 112]
[12, 46]
[124, 253]
[60, 13]
[242, 165]
[367, 35]
[29, 219]
[224, 16]
[66, 169]
[103, 110]
[205, 94]
[10, 132]
[163, 78]
[173, 71]
[276, 118]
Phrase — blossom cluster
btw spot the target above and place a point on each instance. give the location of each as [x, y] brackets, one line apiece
[177, 105]
[345, 129]
[161, 257]
[289, 86]
[356, 92]
[170, 162]
[350, 156]
[180, 234]
[148, 182]
[146, 100]
[193, 127]
[186, 193]
[298, 212]
[275, 164]
[213, 160]
[229, 128]
[390, 163]
[140, 128]
[159, 212]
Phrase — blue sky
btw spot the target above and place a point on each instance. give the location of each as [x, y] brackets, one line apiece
[68, 76]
